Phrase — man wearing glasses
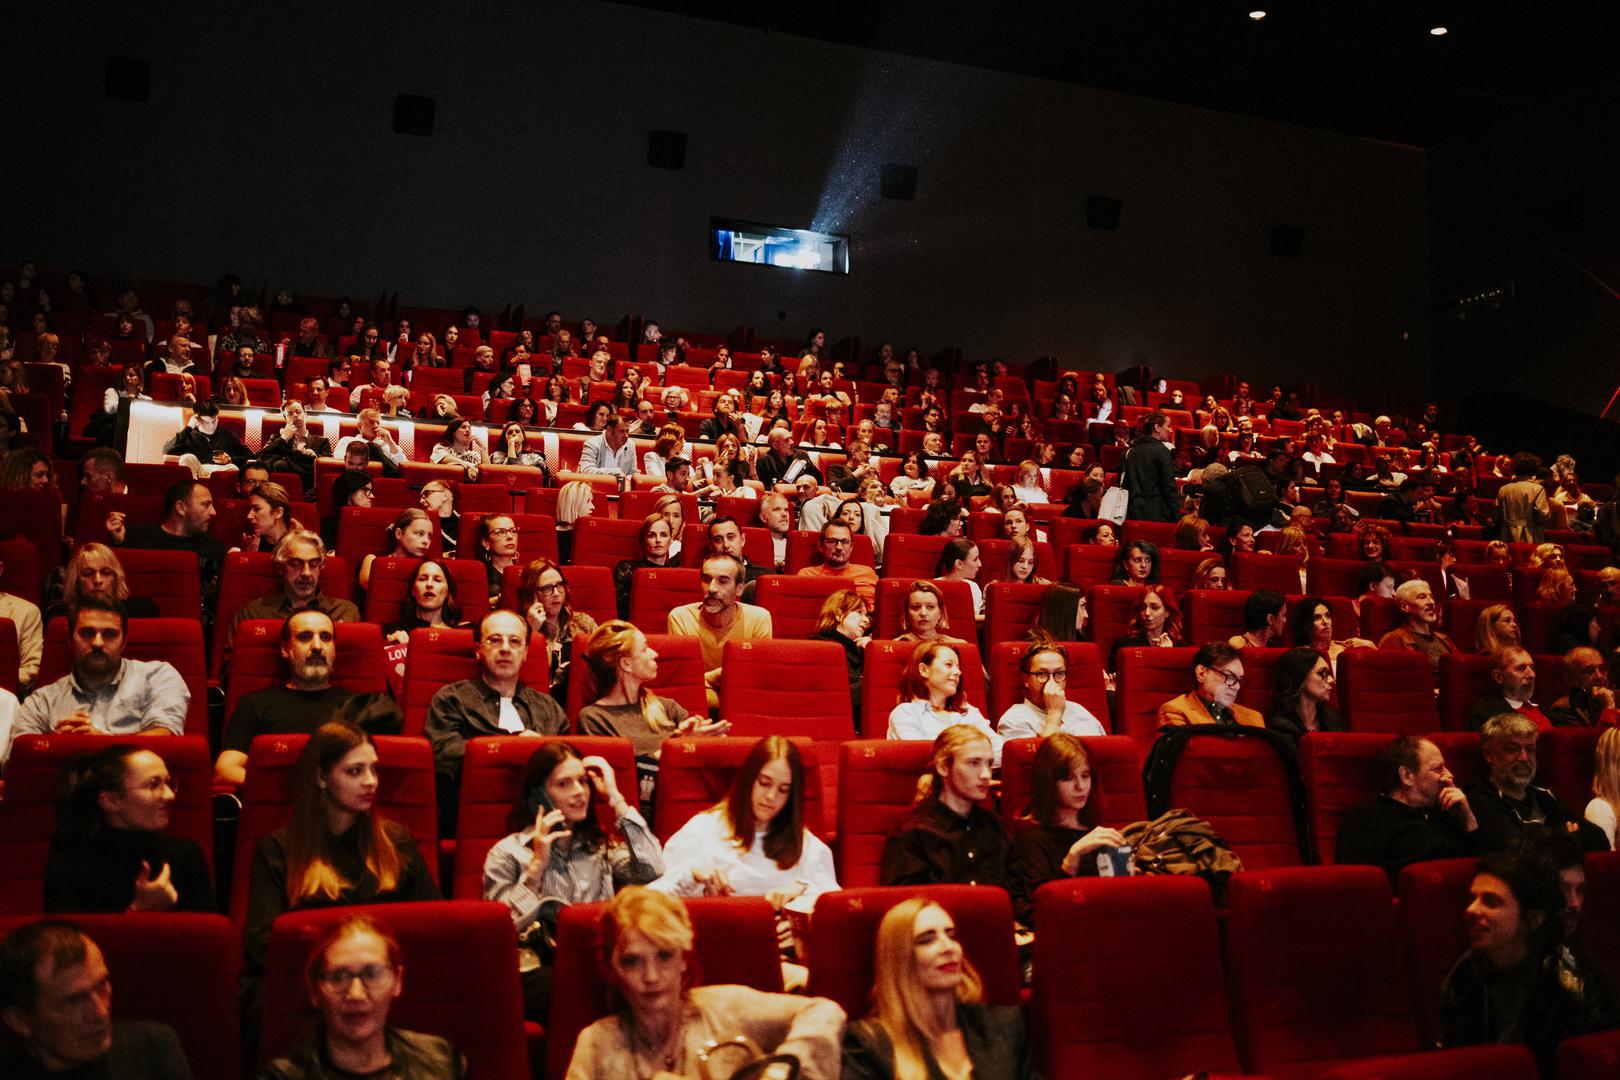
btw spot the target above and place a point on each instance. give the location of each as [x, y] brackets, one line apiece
[299, 560]
[837, 545]
[1045, 709]
[1218, 671]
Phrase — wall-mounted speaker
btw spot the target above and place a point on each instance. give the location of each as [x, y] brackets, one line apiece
[1102, 212]
[1287, 240]
[666, 149]
[413, 114]
[128, 78]
[899, 181]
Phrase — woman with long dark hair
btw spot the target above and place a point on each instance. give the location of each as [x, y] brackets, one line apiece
[1059, 833]
[1302, 700]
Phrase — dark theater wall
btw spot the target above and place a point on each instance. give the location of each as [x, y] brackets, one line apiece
[267, 149]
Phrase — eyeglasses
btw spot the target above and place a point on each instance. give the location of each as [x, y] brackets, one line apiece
[1233, 681]
[1055, 676]
[503, 532]
[158, 783]
[555, 587]
[373, 977]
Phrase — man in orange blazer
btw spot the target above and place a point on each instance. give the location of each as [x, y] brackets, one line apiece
[1218, 670]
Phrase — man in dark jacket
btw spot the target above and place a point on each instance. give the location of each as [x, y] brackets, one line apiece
[1420, 813]
[1149, 473]
[1506, 798]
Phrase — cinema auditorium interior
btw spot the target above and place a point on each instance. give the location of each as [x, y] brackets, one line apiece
[600, 540]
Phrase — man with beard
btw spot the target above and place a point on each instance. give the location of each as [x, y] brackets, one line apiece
[106, 694]
[719, 617]
[299, 559]
[1506, 799]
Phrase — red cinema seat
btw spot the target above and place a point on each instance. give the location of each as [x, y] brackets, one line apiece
[1388, 690]
[21, 576]
[249, 575]
[680, 674]
[1588, 1057]
[1334, 577]
[1176, 567]
[795, 602]
[438, 655]
[1379, 615]
[1340, 771]
[10, 656]
[886, 667]
[405, 796]
[756, 545]
[1240, 785]
[1146, 679]
[1499, 1062]
[1487, 582]
[173, 968]
[1424, 569]
[1097, 941]
[655, 592]
[491, 777]
[1432, 898]
[912, 555]
[363, 530]
[177, 641]
[1464, 678]
[34, 783]
[891, 605]
[695, 774]
[460, 979]
[590, 590]
[877, 784]
[993, 556]
[1116, 771]
[91, 515]
[1566, 762]
[1086, 685]
[1161, 533]
[1261, 570]
[804, 549]
[1460, 619]
[257, 664]
[786, 687]
[636, 505]
[1213, 614]
[1599, 930]
[1259, 678]
[537, 533]
[153, 478]
[1112, 609]
[734, 942]
[392, 576]
[1538, 625]
[1089, 564]
[1011, 609]
[1289, 1017]
[600, 541]
[169, 578]
[844, 929]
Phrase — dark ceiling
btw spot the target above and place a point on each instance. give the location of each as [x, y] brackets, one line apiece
[1368, 69]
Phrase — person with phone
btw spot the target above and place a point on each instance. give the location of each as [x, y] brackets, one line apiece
[559, 854]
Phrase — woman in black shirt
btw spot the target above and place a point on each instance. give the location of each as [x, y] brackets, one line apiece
[1059, 835]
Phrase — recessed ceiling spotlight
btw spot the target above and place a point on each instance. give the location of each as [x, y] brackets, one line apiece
[1438, 31]
[1257, 15]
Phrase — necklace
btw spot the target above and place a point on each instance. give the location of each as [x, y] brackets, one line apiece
[664, 1054]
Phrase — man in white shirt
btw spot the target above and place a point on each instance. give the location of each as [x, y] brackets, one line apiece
[776, 514]
[1045, 709]
[382, 377]
[381, 446]
[610, 452]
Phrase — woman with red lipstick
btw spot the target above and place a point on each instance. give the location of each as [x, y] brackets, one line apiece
[950, 837]
[929, 1018]
[355, 975]
[1518, 982]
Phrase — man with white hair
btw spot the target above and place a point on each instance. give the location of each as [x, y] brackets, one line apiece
[783, 463]
[1506, 799]
[380, 444]
[1419, 629]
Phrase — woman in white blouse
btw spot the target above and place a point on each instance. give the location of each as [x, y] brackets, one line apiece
[1605, 784]
[458, 447]
[932, 698]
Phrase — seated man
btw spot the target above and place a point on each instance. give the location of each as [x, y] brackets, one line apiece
[203, 446]
[101, 472]
[1265, 622]
[380, 444]
[783, 463]
[254, 472]
[1045, 709]
[776, 514]
[1403, 505]
[677, 477]
[106, 694]
[1420, 626]
[837, 545]
[186, 526]
[1420, 813]
[299, 559]
[1506, 798]
[1589, 701]
[305, 702]
[1513, 684]
[176, 359]
[609, 452]
[719, 617]
[382, 377]
[848, 476]
[726, 538]
[1218, 675]
[495, 702]
[56, 999]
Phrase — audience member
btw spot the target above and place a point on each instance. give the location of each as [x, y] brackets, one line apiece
[718, 618]
[544, 599]
[458, 447]
[187, 520]
[1302, 700]
[299, 560]
[959, 561]
[610, 451]
[1148, 473]
[1156, 624]
[1589, 702]
[94, 570]
[1312, 627]
[379, 443]
[655, 538]
[1522, 509]
[25, 617]
[1420, 624]
[846, 621]
[1045, 710]
[438, 498]
[783, 463]
[1506, 798]
[1059, 833]
[837, 546]
[1217, 675]
[949, 837]
[1420, 813]
[1513, 685]
[932, 698]
[1264, 620]
[410, 536]
[497, 549]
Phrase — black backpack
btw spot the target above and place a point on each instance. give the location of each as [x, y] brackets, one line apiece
[1161, 765]
[1256, 494]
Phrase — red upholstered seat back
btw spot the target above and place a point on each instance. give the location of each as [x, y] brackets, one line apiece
[1116, 777]
[405, 795]
[1599, 930]
[695, 774]
[993, 559]
[891, 605]
[885, 668]
[794, 602]
[1334, 577]
[912, 555]
[734, 941]
[600, 541]
[757, 547]
[257, 663]
[1433, 896]
[1011, 610]
[843, 933]
[877, 783]
[1285, 1013]
[1259, 678]
[1389, 690]
[1460, 619]
[10, 656]
[460, 980]
[1379, 615]
[1112, 609]
[1146, 679]
[1176, 567]
[492, 775]
[169, 578]
[392, 576]
[1565, 762]
[680, 675]
[784, 687]
[34, 782]
[173, 968]
[176, 641]
[1340, 770]
[1086, 685]
[654, 592]
[1239, 786]
[1213, 614]
[1464, 677]
[1112, 950]
[1089, 564]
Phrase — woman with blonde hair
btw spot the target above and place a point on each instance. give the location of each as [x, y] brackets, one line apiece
[1556, 587]
[1546, 556]
[673, 510]
[664, 1027]
[846, 621]
[575, 500]
[1209, 574]
[269, 517]
[929, 1018]
[548, 608]
[949, 837]
[94, 570]
[1498, 627]
[1605, 805]
[1291, 541]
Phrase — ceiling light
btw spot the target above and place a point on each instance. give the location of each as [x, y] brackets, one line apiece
[1257, 15]
[1438, 31]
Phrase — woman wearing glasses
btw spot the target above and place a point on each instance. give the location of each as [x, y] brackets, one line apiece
[497, 549]
[111, 851]
[545, 603]
[355, 975]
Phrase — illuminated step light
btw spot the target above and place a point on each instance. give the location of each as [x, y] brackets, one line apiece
[1438, 31]
[1257, 15]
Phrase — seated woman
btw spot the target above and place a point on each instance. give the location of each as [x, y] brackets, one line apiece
[269, 518]
[1062, 615]
[923, 618]
[969, 478]
[655, 537]
[110, 851]
[458, 447]
[411, 535]
[1102, 534]
[846, 621]
[949, 837]
[1020, 569]
[1376, 580]
[1029, 486]
[1497, 627]
[431, 601]
[959, 561]
[515, 450]
[1192, 534]
[1605, 804]
[666, 1028]
[1059, 834]
[929, 1018]
[932, 698]
[337, 850]
[1209, 574]
[576, 499]
[1311, 626]
[1016, 526]
[544, 600]
[622, 664]
[671, 443]
[913, 477]
[94, 570]
[1520, 981]
[673, 510]
[497, 549]
[438, 498]
[1238, 539]
[557, 854]
[1157, 624]
[355, 975]
[294, 448]
[1138, 564]
[1302, 700]
[351, 487]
